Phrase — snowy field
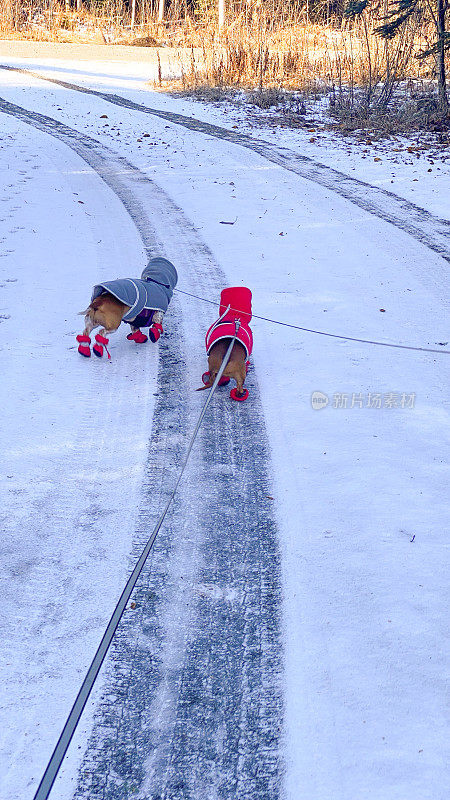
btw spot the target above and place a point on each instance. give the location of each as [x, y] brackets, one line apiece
[359, 486]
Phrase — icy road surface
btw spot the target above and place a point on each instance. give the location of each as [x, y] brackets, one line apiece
[288, 638]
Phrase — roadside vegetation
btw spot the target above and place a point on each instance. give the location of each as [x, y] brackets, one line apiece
[380, 64]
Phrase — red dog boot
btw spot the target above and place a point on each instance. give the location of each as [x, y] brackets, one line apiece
[98, 346]
[137, 336]
[84, 342]
[240, 397]
[155, 331]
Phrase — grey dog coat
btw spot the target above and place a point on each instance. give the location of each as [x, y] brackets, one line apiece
[154, 289]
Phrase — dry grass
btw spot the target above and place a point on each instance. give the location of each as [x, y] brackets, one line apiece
[291, 54]
[263, 49]
[414, 106]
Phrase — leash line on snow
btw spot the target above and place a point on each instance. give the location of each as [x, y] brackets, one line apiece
[323, 333]
[73, 719]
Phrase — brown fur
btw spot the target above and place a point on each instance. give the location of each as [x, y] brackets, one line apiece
[236, 367]
[106, 311]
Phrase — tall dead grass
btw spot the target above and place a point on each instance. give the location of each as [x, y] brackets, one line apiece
[264, 44]
[259, 50]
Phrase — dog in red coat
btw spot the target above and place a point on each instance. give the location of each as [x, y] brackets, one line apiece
[235, 306]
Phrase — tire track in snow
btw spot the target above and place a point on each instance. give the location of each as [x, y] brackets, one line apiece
[191, 699]
[422, 225]
[67, 481]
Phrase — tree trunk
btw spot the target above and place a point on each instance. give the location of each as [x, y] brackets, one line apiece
[221, 14]
[8, 15]
[442, 89]
[161, 11]
[386, 44]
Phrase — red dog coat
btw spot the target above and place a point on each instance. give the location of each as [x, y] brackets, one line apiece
[235, 303]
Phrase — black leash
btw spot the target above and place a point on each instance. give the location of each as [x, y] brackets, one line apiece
[322, 333]
[73, 719]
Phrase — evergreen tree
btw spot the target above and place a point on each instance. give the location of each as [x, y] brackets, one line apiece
[399, 13]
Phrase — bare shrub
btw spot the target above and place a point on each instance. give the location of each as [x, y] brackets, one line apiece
[266, 98]
[266, 47]
[414, 106]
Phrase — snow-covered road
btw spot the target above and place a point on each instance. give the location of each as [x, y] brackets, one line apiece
[318, 616]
